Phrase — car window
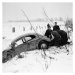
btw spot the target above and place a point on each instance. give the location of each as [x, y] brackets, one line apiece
[30, 37]
[18, 42]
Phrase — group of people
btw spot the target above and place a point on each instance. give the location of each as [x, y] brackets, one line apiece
[58, 37]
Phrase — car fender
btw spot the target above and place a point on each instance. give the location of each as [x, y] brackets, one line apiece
[45, 39]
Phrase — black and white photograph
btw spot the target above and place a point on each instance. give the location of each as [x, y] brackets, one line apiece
[37, 37]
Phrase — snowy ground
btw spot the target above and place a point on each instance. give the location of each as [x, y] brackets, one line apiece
[55, 60]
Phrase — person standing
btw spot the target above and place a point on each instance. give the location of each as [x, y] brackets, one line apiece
[48, 31]
[56, 27]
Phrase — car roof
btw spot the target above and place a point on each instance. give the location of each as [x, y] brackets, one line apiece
[21, 36]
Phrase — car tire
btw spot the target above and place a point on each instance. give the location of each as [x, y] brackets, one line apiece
[43, 45]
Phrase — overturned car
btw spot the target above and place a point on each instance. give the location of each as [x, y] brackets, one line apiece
[24, 43]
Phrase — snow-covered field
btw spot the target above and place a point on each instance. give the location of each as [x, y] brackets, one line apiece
[55, 60]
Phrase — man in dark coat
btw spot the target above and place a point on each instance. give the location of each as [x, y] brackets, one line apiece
[64, 37]
[54, 36]
[56, 40]
[62, 33]
[56, 27]
[48, 31]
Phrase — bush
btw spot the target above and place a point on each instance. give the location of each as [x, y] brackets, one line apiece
[69, 24]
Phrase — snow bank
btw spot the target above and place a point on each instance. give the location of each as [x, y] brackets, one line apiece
[54, 60]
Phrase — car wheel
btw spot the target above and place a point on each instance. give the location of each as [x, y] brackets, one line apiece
[43, 45]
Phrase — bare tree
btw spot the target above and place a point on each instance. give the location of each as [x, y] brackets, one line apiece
[69, 25]
[47, 18]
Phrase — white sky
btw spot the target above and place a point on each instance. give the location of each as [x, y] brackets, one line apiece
[12, 11]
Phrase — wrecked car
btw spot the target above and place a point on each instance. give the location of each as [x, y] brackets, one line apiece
[25, 43]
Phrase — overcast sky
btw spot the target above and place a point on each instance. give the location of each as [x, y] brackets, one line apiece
[12, 11]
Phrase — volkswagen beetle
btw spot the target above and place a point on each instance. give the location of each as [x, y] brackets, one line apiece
[25, 43]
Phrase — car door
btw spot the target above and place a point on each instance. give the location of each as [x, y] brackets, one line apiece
[21, 46]
[27, 39]
[32, 43]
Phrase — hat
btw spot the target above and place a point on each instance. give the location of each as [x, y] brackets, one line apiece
[48, 25]
[55, 22]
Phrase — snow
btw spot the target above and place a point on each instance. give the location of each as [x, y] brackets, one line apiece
[31, 63]
[62, 64]
[40, 27]
[56, 60]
